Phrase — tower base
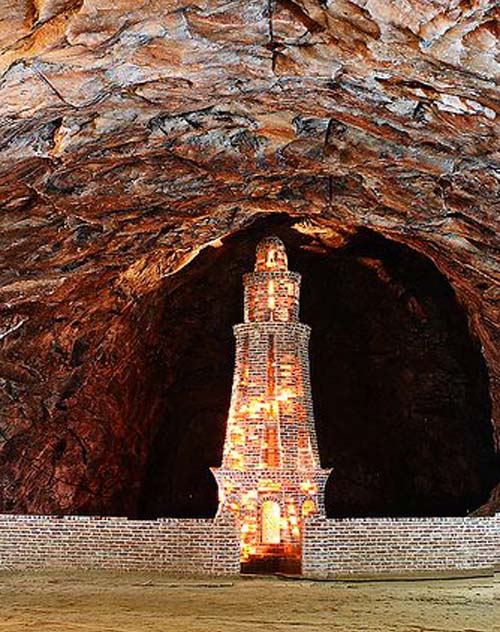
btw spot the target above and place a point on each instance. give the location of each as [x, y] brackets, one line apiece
[274, 558]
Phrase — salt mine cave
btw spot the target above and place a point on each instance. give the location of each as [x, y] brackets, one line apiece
[249, 315]
[146, 149]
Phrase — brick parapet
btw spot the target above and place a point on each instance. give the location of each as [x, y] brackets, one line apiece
[330, 548]
[399, 546]
[184, 546]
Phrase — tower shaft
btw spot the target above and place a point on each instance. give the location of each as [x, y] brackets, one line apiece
[271, 477]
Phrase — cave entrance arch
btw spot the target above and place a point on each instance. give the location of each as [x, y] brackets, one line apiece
[399, 385]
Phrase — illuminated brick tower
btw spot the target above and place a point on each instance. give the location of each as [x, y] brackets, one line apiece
[270, 476]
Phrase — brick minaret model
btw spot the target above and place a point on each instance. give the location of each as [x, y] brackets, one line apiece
[271, 478]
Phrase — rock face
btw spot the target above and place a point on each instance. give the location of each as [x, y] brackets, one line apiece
[133, 136]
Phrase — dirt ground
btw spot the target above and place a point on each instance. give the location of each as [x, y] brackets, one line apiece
[110, 602]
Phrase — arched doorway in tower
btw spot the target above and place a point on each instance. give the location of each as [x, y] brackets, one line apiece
[272, 551]
[270, 517]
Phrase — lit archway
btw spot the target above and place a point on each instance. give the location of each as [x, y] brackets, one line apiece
[270, 522]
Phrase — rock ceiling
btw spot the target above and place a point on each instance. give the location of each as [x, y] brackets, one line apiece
[135, 134]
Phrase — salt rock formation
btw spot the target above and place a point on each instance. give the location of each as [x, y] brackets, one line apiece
[135, 135]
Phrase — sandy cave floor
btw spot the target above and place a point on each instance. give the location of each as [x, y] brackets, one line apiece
[110, 602]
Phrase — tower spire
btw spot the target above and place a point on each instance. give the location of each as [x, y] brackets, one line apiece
[271, 477]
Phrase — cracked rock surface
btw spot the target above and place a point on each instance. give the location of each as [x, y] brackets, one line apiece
[133, 135]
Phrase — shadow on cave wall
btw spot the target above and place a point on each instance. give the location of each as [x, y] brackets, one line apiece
[399, 387]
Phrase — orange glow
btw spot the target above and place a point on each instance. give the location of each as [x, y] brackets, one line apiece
[237, 436]
[269, 486]
[269, 474]
[308, 487]
[255, 406]
[285, 394]
[271, 259]
[271, 303]
[271, 522]
[271, 457]
[308, 508]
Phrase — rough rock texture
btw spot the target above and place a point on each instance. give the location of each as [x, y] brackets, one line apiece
[133, 135]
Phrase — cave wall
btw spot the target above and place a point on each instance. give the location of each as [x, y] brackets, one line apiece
[134, 136]
[76, 421]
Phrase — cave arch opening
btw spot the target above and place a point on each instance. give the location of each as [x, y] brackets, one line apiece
[400, 387]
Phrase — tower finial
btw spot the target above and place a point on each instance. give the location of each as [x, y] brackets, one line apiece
[271, 255]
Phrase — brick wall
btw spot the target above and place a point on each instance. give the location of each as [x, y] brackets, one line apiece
[173, 545]
[405, 546]
[331, 548]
